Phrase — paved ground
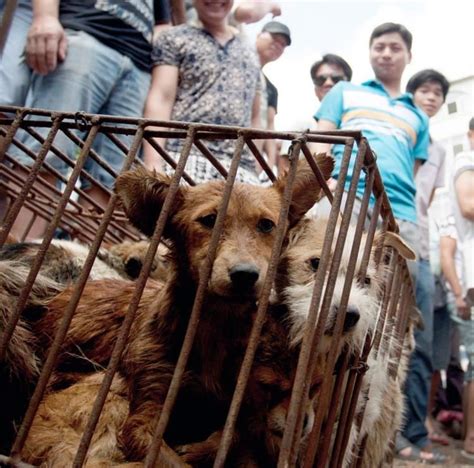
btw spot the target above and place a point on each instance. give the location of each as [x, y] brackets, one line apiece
[452, 452]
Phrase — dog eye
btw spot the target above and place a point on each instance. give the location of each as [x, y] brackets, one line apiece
[314, 263]
[265, 225]
[367, 281]
[208, 221]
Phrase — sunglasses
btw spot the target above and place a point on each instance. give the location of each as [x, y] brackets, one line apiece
[321, 79]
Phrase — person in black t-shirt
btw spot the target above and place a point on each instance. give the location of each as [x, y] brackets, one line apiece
[92, 56]
[270, 44]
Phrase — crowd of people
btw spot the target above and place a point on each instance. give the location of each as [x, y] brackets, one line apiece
[126, 58]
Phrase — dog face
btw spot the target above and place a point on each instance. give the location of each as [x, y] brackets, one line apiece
[128, 257]
[249, 227]
[297, 274]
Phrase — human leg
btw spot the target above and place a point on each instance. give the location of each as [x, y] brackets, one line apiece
[127, 98]
[15, 74]
[82, 82]
[441, 356]
[466, 328]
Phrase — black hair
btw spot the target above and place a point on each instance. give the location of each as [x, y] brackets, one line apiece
[331, 59]
[387, 28]
[471, 124]
[425, 76]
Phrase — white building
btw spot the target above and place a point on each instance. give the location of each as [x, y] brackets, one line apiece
[450, 125]
[449, 128]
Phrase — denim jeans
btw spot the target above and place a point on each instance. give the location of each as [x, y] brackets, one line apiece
[15, 75]
[95, 79]
[418, 382]
[466, 331]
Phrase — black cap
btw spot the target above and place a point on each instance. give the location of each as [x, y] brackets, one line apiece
[275, 27]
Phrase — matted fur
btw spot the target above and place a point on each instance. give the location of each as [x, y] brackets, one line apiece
[128, 257]
[260, 425]
[391, 412]
[20, 368]
[157, 333]
[20, 360]
[295, 287]
[63, 261]
[61, 419]
[62, 415]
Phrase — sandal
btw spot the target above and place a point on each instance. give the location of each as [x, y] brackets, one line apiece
[415, 454]
[467, 455]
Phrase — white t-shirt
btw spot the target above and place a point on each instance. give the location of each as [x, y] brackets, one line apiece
[465, 228]
[430, 176]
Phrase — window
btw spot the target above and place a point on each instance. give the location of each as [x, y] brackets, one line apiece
[452, 107]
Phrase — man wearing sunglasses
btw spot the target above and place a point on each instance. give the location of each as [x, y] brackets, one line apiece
[328, 71]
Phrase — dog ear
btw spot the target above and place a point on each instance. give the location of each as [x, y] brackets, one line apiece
[142, 194]
[394, 240]
[306, 188]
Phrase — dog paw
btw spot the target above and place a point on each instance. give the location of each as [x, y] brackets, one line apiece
[196, 452]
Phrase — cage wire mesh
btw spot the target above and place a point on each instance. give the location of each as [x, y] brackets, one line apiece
[49, 162]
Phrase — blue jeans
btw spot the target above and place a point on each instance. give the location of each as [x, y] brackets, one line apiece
[418, 383]
[15, 75]
[466, 332]
[442, 325]
[95, 79]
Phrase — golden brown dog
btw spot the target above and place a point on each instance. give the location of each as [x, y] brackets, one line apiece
[234, 285]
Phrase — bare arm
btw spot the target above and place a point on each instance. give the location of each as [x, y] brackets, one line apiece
[159, 105]
[323, 125]
[270, 145]
[46, 42]
[251, 12]
[417, 166]
[255, 119]
[448, 247]
[464, 187]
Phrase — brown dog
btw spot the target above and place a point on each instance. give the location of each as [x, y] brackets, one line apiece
[234, 285]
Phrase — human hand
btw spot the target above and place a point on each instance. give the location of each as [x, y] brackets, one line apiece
[462, 308]
[275, 9]
[46, 44]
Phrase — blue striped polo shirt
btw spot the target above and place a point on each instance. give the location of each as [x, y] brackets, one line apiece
[397, 131]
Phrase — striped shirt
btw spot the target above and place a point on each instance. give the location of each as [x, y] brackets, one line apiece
[397, 132]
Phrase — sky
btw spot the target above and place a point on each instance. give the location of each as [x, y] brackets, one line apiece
[443, 39]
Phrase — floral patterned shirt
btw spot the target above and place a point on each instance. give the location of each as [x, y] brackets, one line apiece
[217, 83]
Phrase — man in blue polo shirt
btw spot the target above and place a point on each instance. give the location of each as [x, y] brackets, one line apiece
[397, 131]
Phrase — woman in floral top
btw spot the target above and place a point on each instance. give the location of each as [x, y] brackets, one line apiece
[204, 73]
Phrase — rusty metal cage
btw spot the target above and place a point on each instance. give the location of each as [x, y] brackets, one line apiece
[28, 186]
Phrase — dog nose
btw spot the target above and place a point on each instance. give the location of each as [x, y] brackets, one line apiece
[351, 319]
[244, 276]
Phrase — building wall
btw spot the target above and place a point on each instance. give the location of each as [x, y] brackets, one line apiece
[450, 125]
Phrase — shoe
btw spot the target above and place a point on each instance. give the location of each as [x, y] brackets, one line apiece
[467, 455]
